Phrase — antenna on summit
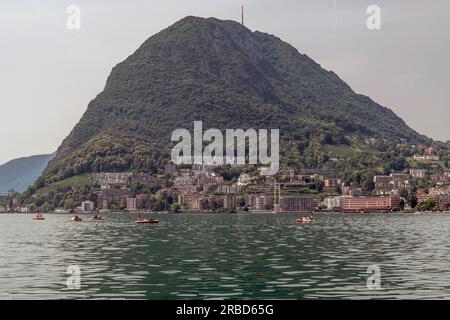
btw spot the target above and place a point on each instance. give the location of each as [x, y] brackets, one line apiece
[242, 15]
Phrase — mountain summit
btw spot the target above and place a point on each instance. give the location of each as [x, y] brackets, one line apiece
[227, 76]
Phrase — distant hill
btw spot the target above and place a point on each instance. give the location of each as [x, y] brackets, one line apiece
[21, 173]
[224, 74]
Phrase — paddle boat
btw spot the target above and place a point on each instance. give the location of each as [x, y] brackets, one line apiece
[305, 220]
[39, 216]
[76, 219]
[145, 220]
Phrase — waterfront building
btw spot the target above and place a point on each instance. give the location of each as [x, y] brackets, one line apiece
[230, 202]
[296, 203]
[264, 202]
[202, 203]
[333, 203]
[140, 201]
[250, 201]
[444, 201]
[107, 197]
[87, 206]
[261, 202]
[2, 208]
[199, 204]
[24, 209]
[370, 204]
[131, 204]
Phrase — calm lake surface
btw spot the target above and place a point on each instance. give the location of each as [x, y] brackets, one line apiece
[226, 256]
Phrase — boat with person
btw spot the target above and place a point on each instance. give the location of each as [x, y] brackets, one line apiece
[38, 217]
[139, 219]
[98, 218]
[305, 219]
[76, 219]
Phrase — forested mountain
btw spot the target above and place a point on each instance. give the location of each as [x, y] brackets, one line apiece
[224, 74]
[21, 173]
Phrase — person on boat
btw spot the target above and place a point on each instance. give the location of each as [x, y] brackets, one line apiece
[95, 217]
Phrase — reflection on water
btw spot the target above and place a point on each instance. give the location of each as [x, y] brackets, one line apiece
[240, 256]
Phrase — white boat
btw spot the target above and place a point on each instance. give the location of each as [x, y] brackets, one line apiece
[418, 213]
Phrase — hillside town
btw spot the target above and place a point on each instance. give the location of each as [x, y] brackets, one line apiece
[206, 189]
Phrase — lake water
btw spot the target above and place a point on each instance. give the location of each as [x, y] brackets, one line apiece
[226, 256]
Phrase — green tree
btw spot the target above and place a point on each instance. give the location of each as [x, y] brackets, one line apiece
[176, 208]
[69, 204]
[427, 205]
[412, 200]
[404, 193]
[46, 207]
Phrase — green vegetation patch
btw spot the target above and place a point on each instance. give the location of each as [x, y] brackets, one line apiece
[76, 181]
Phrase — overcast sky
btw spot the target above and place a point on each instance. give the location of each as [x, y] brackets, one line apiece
[49, 73]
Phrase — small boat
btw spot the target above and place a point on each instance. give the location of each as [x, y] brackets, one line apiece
[417, 213]
[76, 219]
[304, 220]
[98, 218]
[145, 220]
[38, 217]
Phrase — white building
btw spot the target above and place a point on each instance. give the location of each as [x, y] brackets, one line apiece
[87, 206]
[333, 203]
[24, 210]
[418, 173]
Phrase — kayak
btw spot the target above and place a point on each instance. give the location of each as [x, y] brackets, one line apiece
[147, 221]
[36, 218]
[304, 220]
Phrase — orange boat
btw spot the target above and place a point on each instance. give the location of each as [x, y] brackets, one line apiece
[39, 216]
[76, 219]
[305, 220]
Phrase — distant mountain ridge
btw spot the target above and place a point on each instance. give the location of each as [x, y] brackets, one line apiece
[227, 76]
[21, 173]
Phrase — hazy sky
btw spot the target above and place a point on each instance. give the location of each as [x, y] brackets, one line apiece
[49, 73]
